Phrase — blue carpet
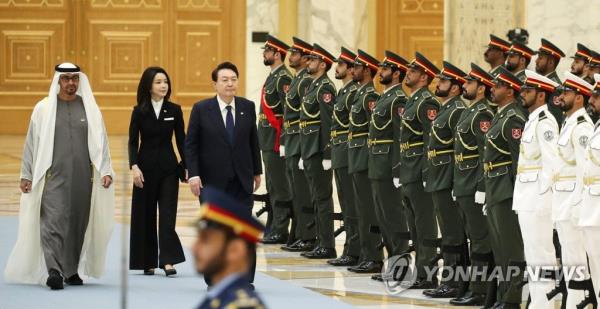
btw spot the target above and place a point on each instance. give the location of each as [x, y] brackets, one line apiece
[185, 291]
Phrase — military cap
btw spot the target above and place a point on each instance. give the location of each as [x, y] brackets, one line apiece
[319, 52]
[300, 46]
[498, 43]
[583, 53]
[346, 55]
[597, 84]
[480, 75]
[393, 60]
[367, 60]
[219, 209]
[594, 59]
[424, 64]
[551, 49]
[509, 79]
[521, 50]
[449, 72]
[535, 80]
[575, 83]
[276, 44]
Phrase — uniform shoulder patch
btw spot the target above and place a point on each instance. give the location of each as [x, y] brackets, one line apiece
[459, 104]
[510, 113]
[400, 93]
[543, 115]
[353, 88]
[370, 89]
[580, 119]
[426, 94]
[325, 81]
[481, 107]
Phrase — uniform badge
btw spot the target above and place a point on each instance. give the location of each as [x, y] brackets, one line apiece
[326, 97]
[286, 88]
[548, 135]
[431, 113]
[484, 125]
[583, 140]
[371, 105]
[516, 133]
[400, 111]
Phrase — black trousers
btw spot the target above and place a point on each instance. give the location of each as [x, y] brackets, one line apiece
[234, 189]
[147, 249]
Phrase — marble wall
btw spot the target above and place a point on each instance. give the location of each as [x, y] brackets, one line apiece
[468, 24]
[564, 23]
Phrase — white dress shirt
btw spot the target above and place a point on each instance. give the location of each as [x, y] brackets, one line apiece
[157, 105]
[223, 108]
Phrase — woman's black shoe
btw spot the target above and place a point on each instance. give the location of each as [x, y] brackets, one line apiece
[149, 272]
[170, 272]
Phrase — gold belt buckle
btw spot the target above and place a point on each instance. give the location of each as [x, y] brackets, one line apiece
[302, 124]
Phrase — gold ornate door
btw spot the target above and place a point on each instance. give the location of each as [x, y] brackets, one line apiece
[114, 41]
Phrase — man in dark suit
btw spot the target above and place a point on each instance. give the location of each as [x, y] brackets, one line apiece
[222, 143]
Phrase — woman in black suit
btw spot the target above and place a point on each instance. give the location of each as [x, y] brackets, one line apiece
[156, 174]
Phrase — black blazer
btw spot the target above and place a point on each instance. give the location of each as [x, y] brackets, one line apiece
[209, 153]
[155, 152]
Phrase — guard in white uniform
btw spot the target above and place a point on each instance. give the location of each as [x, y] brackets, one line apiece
[568, 182]
[532, 197]
[589, 218]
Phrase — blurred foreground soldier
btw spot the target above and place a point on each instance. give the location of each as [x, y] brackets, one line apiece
[589, 219]
[468, 183]
[66, 178]
[500, 167]
[440, 164]
[545, 64]
[568, 182]
[495, 54]
[225, 250]
[532, 197]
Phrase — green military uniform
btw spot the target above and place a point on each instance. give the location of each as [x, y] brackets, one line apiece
[277, 182]
[315, 123]
[339, 164]
[500, 159]
[303, 208]
[550, 49]
[440, 160]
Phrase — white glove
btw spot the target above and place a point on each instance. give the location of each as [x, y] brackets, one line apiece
[484, 209]
[281, 151]
[326, 164]
[480, 197]
[453, 196]
[424, 184]
[301, 164]
[397, 183]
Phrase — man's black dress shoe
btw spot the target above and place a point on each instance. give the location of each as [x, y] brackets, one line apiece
[442, 291]
[321, 253]
[74, 280]
[170, 272]
[149, 272]
[344, 260]
[423, 284]
[291, 247]
[367, 267]
[470, 299]
[55, 280]
[275, 238]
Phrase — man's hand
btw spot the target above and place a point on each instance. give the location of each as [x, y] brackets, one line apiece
[256, 182]
[195, 185]
[106, 181]
[138, 176]
[282, 151]
[25, 185]
[326, 164]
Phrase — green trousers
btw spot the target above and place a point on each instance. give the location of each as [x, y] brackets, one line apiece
[452, 229]
[345, 194]
[321, 188]
[279, 190]
[302, 203]
[389, 212]
[365, 209]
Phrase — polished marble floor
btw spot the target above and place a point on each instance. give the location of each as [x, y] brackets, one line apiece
[337, 283]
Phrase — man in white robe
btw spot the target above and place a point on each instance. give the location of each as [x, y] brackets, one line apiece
[67, 205]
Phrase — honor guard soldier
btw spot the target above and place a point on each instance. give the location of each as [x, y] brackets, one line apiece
[581, 59]
[440, 161]
[304, 236]
[270, 126]
[568, 182]
[519, 57]
[532, 197]
[226, 244]
[315, 149]
[594, 65]
[547, 60]
[589, 219]
[500, 167]
[339, 157]
[469, 186]
[387, 199]
[420, 111]
[495, 54]
[371, 257]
